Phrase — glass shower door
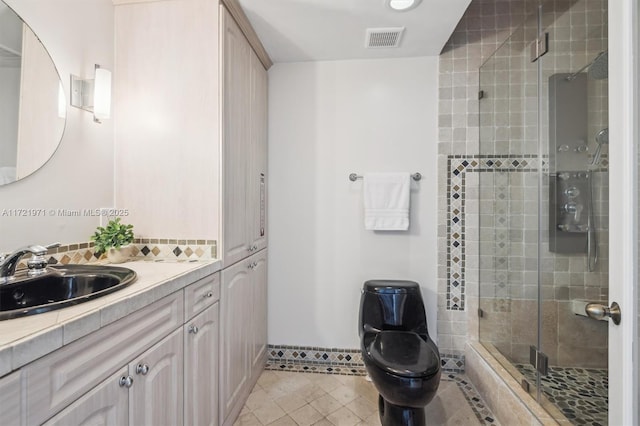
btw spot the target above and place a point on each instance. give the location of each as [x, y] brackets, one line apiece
[508, 190]
[544, 207]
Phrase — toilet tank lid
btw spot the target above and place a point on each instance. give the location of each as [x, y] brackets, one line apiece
[391, 286]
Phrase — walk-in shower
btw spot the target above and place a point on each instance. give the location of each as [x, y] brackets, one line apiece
[543, 200]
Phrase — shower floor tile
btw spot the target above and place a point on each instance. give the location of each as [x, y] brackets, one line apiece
[580, 393]
[302, 398]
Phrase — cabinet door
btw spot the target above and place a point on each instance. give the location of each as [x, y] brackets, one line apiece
[235, 140]
[201, 369]
[235, 308]
[106, 404]
[156, 397]
[11, 403]
[257, 204]
[259, 312]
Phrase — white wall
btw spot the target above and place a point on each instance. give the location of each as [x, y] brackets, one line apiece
[326, 120]
[77, 34]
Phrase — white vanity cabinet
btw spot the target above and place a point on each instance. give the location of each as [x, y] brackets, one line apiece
[244, 144]
[158, 365]
[243, 332]
[148, 391]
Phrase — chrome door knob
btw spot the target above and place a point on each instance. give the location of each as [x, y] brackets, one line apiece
[142, 369]
[193, 329]
[599, 311]
[126, 381]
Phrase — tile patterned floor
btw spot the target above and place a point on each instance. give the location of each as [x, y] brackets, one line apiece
[284, 398]
[580, 393]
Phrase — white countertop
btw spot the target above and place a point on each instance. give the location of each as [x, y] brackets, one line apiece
[26, 339]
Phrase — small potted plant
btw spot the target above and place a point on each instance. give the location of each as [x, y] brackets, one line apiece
[115, 240]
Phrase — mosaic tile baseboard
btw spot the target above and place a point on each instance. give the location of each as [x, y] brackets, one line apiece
[336, 361]
[315, 355]
[307, 367]
[452, 363]
[480, 409]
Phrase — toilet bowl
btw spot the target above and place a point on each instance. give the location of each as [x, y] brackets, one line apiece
[401, 359]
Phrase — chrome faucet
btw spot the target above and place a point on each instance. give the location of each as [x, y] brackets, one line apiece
[37, 264]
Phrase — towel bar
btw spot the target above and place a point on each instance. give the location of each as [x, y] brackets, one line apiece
[354, 177]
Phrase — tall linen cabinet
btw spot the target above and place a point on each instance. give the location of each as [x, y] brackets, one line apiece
[191, 144]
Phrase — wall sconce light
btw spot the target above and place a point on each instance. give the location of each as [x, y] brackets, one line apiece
[93, 95]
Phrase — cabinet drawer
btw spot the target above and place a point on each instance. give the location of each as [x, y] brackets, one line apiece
[58, 379]
[201, 294]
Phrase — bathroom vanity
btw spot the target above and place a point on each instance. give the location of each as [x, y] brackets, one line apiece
[147, 354]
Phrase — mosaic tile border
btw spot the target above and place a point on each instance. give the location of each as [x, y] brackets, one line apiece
[452, 363]
[315, 355]
[477, 404]
[163, 248]
[337, 361]
[306, 367]
[144, 249]
[457, 168]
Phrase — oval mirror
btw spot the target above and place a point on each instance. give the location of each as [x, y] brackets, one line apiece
[32, 102]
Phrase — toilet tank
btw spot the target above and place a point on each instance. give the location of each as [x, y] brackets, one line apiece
[392, 305]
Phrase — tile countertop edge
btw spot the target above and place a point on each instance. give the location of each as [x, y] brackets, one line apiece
[55, 333]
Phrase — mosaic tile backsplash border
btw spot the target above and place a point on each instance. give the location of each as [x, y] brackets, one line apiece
[335, 361]
[156, 249]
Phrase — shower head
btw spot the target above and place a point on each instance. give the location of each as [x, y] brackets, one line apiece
[599, 69]
[602, 137]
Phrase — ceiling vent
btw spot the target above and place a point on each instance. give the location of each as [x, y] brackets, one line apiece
[383, 37]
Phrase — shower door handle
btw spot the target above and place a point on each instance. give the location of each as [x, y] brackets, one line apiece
[599, 311]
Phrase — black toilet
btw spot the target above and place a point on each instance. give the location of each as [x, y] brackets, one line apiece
[401, 359]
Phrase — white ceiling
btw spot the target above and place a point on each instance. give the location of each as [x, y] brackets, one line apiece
[315, 30]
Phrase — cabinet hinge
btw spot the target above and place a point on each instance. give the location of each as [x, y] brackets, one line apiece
[539, 360]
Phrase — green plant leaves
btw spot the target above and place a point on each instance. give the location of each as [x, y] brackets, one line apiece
[115, 235]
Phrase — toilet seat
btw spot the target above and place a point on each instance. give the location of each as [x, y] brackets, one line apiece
[404, 353]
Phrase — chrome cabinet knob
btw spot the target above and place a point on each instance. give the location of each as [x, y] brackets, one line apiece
[142, 369]
[126, 381]
[208, 294]
[193, 329]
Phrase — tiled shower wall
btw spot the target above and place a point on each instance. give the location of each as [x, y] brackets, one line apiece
[488, 207]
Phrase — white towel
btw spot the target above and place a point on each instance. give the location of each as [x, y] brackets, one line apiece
[386, 201]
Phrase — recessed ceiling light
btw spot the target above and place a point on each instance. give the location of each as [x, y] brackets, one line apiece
[402, 5]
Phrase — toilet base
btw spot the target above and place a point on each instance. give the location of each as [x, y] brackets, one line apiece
[395, 415]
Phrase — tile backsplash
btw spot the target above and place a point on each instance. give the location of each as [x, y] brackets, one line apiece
[156, 249]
